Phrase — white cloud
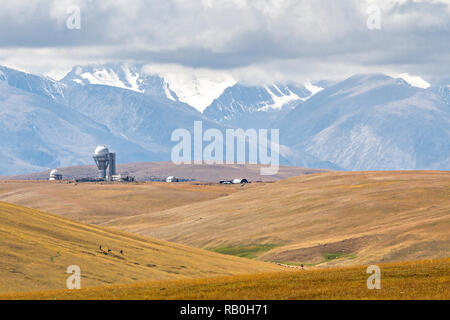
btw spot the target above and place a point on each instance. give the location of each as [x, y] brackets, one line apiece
[253, 40]
[197, 87]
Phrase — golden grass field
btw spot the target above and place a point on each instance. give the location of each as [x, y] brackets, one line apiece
[428, 279]
[333, 218]
[36, 248]
[338, 220]
[102, 202]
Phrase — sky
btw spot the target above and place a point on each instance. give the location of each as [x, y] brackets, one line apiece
[252, 41]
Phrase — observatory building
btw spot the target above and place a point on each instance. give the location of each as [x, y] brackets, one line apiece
[105, 160]
[172, 179]
[55, 175]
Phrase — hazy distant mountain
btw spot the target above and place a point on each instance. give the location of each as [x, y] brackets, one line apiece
[121, 75]
[367, 122]
[372, 122]
[46, 123]
[143, 119]
[196, 90]
[255, 106]
[42, 86]
[37, 133]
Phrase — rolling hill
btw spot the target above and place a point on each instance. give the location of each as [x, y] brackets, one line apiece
[102, 202]
[36, 249]
[334, 218]
[330, 218]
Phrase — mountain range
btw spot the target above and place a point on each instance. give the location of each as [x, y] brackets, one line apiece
[366, 122]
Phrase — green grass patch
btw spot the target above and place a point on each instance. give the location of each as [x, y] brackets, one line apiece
[327, 257]
[245, 251]
[334, 256]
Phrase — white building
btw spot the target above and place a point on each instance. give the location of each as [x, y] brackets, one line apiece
[237, 181]
[122, 178]
[171, 179]
[55, 175]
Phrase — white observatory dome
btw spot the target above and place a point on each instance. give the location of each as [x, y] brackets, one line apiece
[101, 151]
[53, 172]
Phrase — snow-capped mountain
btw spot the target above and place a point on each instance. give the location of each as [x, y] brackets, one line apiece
[132, 104]
[197, 90]
[37, 133]
[121, 75]
[248, 106]
[372, 122]
[46, 123]
[220, 99]
[42, 86]
[367, 122]
[144, 119]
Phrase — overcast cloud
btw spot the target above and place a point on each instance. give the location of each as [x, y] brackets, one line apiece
[254, 40]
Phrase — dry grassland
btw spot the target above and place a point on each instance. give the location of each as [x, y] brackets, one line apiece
[429, 279]
[102, 202]
[36, 248]
[335, 218]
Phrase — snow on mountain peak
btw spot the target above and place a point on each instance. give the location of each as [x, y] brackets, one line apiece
[123, 75]
[279, 98]
[245, 105]
[310, 87]
[132, 78]
[366, 122]
[197, 88]
[414, 81]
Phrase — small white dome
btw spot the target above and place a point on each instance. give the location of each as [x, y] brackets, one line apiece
[53, 172]
[101, 151]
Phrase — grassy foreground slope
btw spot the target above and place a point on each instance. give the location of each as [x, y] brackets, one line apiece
[36, 248]
[320, 219]
[407, 280]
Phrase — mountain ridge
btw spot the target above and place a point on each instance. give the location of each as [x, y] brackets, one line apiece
[372, 122]
[365, 122]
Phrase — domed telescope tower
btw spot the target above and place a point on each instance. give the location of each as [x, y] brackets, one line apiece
[104, 160]
[55, 175]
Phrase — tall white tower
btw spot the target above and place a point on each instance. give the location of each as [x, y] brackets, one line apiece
[101, 157]
[104, 159]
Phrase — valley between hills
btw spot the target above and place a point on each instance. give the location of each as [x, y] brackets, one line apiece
[321, 221]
